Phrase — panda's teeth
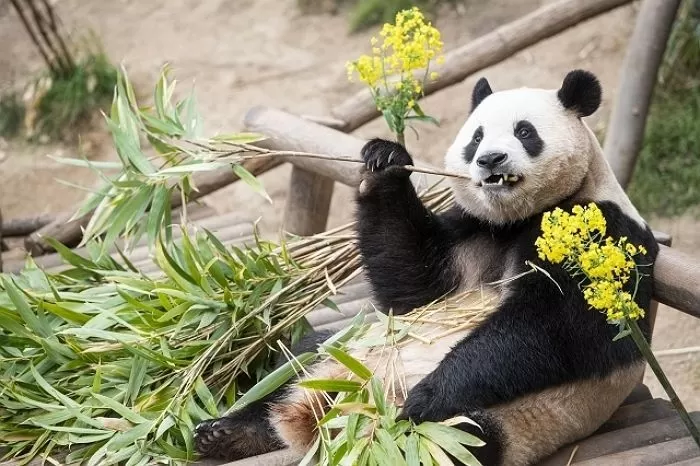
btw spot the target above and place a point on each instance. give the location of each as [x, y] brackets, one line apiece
[500, 180]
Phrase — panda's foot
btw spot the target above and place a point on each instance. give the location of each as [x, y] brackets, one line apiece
[381, 155]
[232, 438]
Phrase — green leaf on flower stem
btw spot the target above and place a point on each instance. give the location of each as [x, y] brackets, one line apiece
[622, 334]
[427, 118]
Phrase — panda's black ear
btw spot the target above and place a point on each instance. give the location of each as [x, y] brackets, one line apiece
[580, 92]
[480, 92]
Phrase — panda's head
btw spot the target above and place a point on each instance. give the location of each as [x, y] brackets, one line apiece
[524, 149]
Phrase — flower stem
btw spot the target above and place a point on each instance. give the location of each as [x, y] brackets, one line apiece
[401, 139]
[645, 349]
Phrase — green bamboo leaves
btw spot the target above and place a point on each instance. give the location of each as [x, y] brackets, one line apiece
[121, 367]
[160, 148]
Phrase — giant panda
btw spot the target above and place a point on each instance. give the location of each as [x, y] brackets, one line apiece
[542, 370]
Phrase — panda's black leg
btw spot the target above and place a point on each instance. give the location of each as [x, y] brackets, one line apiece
[407, 251]
[248, 431]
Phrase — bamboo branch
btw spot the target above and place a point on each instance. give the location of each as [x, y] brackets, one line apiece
[261, 152]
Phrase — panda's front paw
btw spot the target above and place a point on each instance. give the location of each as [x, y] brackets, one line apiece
[430, 401]
[382, 156]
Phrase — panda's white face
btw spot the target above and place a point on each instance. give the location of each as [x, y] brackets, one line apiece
[524, 151]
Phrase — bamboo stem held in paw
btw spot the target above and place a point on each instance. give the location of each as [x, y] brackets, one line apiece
[260, 152]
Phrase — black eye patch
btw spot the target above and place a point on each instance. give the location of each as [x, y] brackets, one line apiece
[531, 141]
[470, 149]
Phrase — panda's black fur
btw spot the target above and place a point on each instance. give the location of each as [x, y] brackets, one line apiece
[541, 336]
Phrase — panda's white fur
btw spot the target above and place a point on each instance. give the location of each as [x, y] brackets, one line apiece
[569, 165]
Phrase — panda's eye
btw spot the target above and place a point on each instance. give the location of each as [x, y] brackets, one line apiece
[477, 138]
[523, 133]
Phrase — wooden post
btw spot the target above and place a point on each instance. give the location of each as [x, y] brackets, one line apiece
[308, 202]
[640, 67]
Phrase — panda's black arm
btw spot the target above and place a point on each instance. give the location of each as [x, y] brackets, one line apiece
[407, 251]
[540, 337]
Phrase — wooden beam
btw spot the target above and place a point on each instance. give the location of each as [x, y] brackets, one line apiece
[15, 227]
[625, 134]
[285, 131]
[677, 280]
[486, 51]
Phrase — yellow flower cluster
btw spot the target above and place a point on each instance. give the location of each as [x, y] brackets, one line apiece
[413, 43]
[408, 45]
[565, 235]
[576, 240]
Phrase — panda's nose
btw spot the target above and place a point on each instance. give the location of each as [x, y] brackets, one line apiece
[491, 160]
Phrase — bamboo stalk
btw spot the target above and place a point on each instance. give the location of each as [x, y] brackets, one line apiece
[648, 354]
[260, 152]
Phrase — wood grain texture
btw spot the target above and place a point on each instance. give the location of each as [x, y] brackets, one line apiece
[486, 51]
[308, 203]
[625, 133]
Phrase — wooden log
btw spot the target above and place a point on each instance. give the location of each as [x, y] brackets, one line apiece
[285, 131]
[70, 233]
[24, 226]
[486, 51]
[623, 139]
[676, 279]
[308, 203]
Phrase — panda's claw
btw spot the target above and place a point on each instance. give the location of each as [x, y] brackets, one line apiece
[381, 155]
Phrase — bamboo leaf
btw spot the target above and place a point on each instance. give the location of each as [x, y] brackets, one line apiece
[251, 181]
[120, 409]
[331, 385]
[273, 381]
[349, 362]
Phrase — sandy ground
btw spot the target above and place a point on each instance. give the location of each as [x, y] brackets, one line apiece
[245, 53]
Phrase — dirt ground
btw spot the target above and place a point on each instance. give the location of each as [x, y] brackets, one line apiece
[245, 53]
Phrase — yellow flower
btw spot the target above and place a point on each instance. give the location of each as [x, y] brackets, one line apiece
[433, 75]
[576, 241]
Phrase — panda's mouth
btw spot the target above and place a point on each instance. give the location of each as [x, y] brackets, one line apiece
[499, 179]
